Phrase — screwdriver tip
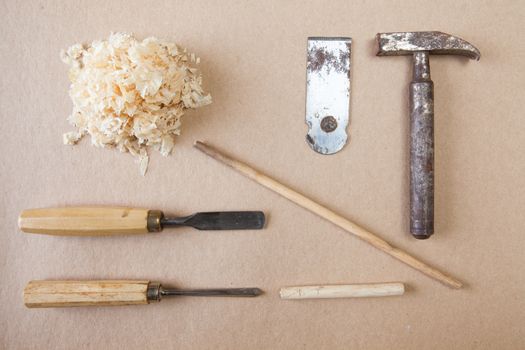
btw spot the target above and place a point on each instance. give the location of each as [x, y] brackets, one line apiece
[256, 292]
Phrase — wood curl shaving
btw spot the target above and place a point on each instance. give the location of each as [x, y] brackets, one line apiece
[131, 94]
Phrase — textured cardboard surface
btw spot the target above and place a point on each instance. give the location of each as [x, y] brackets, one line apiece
[253, 61]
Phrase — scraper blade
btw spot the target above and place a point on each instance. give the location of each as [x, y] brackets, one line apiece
[328, 93]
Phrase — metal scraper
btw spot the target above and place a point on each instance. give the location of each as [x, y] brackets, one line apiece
[328, 93]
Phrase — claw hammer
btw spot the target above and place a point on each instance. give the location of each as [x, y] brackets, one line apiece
[420, 45]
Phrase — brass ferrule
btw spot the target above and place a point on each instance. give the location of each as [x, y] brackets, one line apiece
[153, 293]
[154, 220]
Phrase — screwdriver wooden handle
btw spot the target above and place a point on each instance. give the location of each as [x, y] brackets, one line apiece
[83, 221]
[40, 294]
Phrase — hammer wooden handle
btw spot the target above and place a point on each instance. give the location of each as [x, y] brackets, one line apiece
[343, 291]
[83, 221]
[41, 294]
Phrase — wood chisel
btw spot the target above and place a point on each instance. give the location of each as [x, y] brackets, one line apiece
[42, 294]
[105, 221]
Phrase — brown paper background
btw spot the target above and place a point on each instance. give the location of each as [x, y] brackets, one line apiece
[253, 62]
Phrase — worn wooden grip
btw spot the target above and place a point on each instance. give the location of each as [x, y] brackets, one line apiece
[83, 221]
[38, 294]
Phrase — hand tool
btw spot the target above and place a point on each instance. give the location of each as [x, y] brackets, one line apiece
[343, 291]
[420, 45]
[327, 214]
[104, 221]
[327, 93]
[39, 294]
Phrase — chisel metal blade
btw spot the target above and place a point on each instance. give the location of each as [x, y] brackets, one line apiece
[328, 93]
[224, 220]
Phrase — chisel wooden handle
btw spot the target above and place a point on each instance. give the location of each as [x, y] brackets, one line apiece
[83, 221]
[39, 294]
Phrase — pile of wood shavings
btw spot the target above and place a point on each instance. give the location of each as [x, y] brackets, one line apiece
[131, 94]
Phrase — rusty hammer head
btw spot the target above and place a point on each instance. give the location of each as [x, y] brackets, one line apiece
[438, 43]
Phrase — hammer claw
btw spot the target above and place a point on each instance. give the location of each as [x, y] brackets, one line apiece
[437, 43]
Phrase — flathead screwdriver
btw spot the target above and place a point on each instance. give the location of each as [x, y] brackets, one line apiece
[45, 294]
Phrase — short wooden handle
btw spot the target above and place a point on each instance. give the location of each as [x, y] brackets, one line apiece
[343, 291]
[38, 294]
[83, 221]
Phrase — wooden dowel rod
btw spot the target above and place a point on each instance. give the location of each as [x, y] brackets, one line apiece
[329, 215]
[343, 291]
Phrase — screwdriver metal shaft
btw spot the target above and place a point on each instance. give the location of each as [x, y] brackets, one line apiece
[229, 292]
[156, 291]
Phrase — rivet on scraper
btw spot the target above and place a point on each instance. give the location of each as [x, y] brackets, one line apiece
[328, 93]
